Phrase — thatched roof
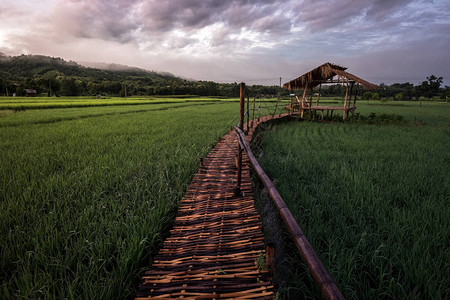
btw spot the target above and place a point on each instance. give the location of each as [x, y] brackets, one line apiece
[324, 74]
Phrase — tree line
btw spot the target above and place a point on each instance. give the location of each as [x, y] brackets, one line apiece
[50, 76]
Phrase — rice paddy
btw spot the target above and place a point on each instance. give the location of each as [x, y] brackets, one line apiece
[89, 188]
[373, 200]
[88, 193]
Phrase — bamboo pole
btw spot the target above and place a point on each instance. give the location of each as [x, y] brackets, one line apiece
[345, 103]
[248, 113]
[351, 93]
[303, 99]
[310, 103]
[259, 108]
[241, 125]
[356, 94]
[318, 271]
[253, 114]
[318, 97]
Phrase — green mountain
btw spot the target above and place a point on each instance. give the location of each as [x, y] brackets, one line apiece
[52, 76]
[32, 65]
[55, 76]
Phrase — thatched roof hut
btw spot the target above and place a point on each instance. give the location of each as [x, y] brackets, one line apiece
[325, 74]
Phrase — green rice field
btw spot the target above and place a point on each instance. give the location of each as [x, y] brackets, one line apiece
[90, 187]
[371, 197]
[87, 193]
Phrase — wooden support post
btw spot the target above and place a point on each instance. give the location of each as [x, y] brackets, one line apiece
[318, 97]
[270, 258]
[310, 103]
[345, 103]
[237, 191]
[248, 114]
[351, 93]
[242, 106]
[259, 108]
[253, 114]
[356, 94]
[279, 101]
[303, 100]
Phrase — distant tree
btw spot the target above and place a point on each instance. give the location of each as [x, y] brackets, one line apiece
[375, 96]
[398, 96]
[367, 96]
[69, 87]
[430, 87]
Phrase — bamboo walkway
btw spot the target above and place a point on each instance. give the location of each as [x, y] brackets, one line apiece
[216, 247]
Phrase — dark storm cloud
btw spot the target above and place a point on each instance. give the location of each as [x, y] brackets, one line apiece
[215, 39]
[326, 14]
[123, 21]
[161, 16]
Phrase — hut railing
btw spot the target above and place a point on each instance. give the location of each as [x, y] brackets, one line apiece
[315, 266]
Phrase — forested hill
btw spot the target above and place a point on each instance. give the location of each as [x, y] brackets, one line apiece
[43, 73]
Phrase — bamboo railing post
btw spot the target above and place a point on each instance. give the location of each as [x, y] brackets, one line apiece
[253, 113]
[259, 108]
[237, 191]
[248, 114]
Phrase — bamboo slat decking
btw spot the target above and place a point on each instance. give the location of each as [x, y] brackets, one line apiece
[216, 247]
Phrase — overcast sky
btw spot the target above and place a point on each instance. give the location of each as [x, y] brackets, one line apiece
[231, 41]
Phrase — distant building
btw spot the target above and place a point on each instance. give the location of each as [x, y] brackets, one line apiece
[29, 92]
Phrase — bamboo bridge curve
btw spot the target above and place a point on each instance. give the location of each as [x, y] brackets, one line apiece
[216, 247]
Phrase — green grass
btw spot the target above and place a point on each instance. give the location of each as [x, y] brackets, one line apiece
[89, 187]
[88, 193]
[372, 200]
[23, 103]
[10, 118]
[423, 112]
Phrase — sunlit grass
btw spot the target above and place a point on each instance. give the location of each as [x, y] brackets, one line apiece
[22, 103]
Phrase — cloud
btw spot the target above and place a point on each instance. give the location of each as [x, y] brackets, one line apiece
[222, 39]
[328, 14]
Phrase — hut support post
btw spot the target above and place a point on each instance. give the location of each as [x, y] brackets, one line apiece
[310, 103]
[318, 97]
[345, 103]
[356, 94]
[237, 191]
[303, 100]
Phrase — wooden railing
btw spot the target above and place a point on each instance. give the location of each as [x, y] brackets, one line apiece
[315, 266]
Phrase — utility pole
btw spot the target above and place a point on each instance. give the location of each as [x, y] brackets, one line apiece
[280, 81]
[6, 87]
